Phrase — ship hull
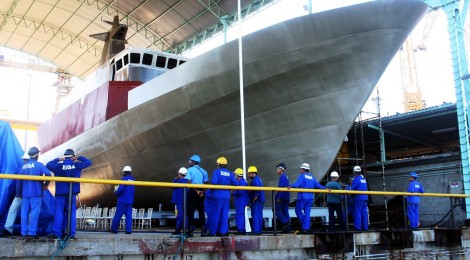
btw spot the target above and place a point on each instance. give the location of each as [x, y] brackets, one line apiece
[306, 80]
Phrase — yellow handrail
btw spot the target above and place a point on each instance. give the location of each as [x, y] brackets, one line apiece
[221, 187]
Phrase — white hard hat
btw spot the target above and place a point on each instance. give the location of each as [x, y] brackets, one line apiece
[334, 175]
[25, 156]
[127, 169]
[357, 169]
[183, 171]
[305, 166]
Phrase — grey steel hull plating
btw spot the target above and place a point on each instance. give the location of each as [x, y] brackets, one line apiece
[306, 80]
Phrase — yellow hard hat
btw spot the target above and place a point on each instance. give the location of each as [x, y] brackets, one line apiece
[252, 169]
[239, 171]
[222, 160]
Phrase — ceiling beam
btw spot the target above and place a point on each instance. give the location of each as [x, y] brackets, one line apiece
[132, 23]
[8, 15]
[217, 28]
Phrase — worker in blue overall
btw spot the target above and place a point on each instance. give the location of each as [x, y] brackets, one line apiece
[283, 198]
[68, 166]
[196, 175]
[360, 214]
[31, 193]
[178, 200]
[348, 212]
[221, 176]
[209, 203]
[305, 199]
[412, 208]
[241, 202]
[256, 201]
[15, 205]
[125, 194]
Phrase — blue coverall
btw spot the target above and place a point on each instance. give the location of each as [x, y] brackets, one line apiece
[31, 191]
[73, 169]
[360, 214]
[305, 199]
[178, 200]
[241, 202]
[412, 208]
[350, 199]
[209, 203]
[257, 205]
[282, 202]
[125, 195]
[219, 225]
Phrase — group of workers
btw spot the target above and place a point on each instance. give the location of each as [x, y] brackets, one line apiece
[29, 193]
[213, 202]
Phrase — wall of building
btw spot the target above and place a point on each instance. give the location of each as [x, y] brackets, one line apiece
[435, 175]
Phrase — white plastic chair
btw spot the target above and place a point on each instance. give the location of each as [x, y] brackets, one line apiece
[147, 220]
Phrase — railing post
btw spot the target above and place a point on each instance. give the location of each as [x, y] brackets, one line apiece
[273, 200]
[69, 212]
[346, 216]
[452, 211]
[184, 209]
[404, 210]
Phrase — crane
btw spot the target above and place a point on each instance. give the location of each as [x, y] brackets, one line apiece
[412, 97]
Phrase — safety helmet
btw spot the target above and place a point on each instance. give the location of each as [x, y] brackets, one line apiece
[33, 151]
[183, 171]
[195, 158]
[414, 175]
[252, 169]
[357, 168]
[334, 175]
[25, 156]
[127, 169]
[222, 161]
[69, 153]
[239, 172]
[305, 166]
[282, 166]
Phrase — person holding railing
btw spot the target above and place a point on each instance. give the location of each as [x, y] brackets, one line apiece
[196, 175]
[256, 201]
[221, 176]
[125, 194]
[31, 192]
[283, 198]
[360, 214]
[68, 166]
[304, 202]
[333, 200]
[178, 199]
[412, 208]
[241, 202]
[15, 204]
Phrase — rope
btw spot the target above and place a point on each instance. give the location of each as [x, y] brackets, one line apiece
[180, 247]
[62, 244]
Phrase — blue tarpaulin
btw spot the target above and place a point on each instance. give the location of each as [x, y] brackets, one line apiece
[10, 163]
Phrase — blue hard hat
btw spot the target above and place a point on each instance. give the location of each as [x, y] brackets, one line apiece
[195, 158]
[33, 151]
[69, 153]
[414, 175]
